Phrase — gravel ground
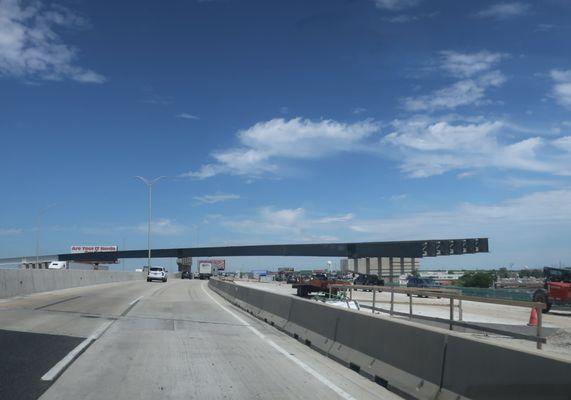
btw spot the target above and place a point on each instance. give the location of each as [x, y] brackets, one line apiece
[558, 341]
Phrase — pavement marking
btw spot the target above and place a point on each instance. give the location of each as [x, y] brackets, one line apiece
[57, 369]
[57, 302]
[131, 305]
[284, 352]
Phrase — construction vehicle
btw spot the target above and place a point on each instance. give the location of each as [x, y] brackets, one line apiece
[557, 288]
[318, 283]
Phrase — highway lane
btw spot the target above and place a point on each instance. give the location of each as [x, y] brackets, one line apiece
[175, 340]
[39, 330]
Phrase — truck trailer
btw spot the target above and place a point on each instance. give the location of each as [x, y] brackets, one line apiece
[206, 270]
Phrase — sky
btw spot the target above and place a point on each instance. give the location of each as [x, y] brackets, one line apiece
[287, 122]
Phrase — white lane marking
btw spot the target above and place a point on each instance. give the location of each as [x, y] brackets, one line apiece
[296, 360]
[136, 300]
[57, 369]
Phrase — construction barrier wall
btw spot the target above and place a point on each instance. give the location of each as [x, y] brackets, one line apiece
[17, 282]
[413, 360]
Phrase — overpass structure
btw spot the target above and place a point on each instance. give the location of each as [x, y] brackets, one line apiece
[413, 249]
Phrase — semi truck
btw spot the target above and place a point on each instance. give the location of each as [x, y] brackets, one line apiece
[206, 270]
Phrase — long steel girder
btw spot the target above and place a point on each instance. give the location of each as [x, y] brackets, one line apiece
[415, 248]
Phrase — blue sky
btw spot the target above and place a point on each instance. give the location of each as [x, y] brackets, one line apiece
[288, 121]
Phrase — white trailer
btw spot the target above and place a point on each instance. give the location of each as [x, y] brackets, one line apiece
[206, 270]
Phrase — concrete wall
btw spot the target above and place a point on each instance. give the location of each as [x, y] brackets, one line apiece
[414, 360]
[17, 282]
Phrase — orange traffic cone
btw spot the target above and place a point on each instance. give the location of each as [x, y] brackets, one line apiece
[533, 317]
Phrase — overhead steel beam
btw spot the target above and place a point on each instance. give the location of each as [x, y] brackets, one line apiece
[416, 249]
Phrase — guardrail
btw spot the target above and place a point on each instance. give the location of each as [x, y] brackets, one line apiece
[452, 295]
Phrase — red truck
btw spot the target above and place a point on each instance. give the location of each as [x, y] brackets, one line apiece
[318, 283]
[557, 289]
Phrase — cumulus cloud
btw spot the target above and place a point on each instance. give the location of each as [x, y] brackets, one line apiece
[428, 146]
[502, 11]
[216, 198]
[265, 143]
[31, 48]
[562, 87]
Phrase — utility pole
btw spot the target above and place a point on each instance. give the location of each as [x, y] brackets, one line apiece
[149, 184]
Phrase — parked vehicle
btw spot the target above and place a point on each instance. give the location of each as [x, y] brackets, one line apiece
[557, 289]
[186, 275]
[369, 280]
[58, 265]
[157, 274]
[317, 283]
[418, 282]
[291, 279]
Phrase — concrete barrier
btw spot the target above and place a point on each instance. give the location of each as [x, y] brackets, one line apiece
[414, 360]
[18, 282]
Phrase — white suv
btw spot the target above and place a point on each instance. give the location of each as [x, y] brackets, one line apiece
[157, 274]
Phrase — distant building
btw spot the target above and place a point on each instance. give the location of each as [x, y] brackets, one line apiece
[443, 277]
[388, 268]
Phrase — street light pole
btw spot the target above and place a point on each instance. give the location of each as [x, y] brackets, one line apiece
[38, 229]
[149, 184]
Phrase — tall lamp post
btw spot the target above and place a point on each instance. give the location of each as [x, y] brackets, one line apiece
[38, 231]
[149, 184]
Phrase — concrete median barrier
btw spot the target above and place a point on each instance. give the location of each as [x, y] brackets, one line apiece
[480, 370]
[18, 282]
[410, 359]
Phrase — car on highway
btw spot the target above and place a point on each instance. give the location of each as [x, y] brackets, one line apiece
[157, 274]
[186, 275]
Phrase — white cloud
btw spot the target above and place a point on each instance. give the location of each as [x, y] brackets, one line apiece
[474, 68]
[30, 47]
[10, 231]
[394, 5]
[332, 219]
[265, 143]
[429, 146]
[401, 19]
[502, 11]
[468, 64]
[543, 209]
[216, 198]
[562, 87]
[461, 93]
[163, 227]
[185, 115]
[293, 224]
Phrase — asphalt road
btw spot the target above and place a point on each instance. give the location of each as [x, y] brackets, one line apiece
[170, 340]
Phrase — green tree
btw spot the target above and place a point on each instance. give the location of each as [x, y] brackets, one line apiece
[502, 272]
[481, 279]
